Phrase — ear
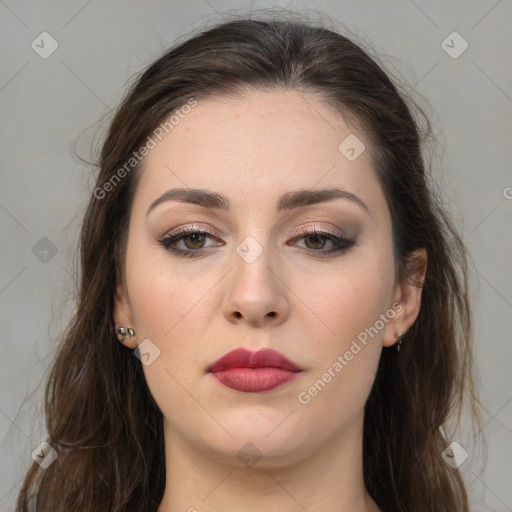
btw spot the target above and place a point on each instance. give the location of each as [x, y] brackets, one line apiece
[408, 296]
[122, 315]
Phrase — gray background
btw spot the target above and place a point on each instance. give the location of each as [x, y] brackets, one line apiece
[47, 103]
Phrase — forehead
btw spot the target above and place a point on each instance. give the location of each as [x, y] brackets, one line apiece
[259, 145]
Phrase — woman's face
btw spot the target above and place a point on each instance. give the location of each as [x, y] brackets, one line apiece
[260, 277]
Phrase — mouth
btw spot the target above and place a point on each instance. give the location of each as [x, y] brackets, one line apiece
[254, 372]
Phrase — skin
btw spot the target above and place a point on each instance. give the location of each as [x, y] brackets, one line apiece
[252, 150]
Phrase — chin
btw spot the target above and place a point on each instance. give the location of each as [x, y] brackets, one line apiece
[257, 446]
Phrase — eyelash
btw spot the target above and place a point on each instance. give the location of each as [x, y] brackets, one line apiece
[341, 244]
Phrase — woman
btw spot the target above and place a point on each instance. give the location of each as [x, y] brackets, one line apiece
[273, 311]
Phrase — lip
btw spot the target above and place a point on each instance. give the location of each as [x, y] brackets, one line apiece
[254, 372]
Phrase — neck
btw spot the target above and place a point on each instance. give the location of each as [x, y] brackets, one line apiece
[330, 478]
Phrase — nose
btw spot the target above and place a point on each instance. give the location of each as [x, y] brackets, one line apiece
[256, 293]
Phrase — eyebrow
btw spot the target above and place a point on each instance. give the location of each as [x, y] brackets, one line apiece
[288, 201]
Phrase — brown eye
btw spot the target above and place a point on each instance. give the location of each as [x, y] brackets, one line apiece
[197, 240]
[315, 242]
[193, 240]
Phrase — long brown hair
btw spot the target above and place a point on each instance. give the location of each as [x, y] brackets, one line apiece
[101, 418]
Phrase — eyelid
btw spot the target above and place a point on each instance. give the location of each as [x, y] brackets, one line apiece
[302, 231]
[345, 234]
[189, 227]
[309, 230]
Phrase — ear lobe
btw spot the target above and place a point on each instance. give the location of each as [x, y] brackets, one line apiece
[408, 294]
[121, 310]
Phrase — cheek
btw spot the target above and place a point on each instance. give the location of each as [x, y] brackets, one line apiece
[175, 312]
[347, 353]
[164, 298]
[175, 320]
[342, 304]
[168, 311]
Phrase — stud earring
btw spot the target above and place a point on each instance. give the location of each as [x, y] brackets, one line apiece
[124, 333]
[398, 336]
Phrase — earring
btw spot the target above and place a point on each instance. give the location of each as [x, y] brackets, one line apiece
[123, 333]
[398, 336]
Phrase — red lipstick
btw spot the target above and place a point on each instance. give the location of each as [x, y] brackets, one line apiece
[254, 372]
